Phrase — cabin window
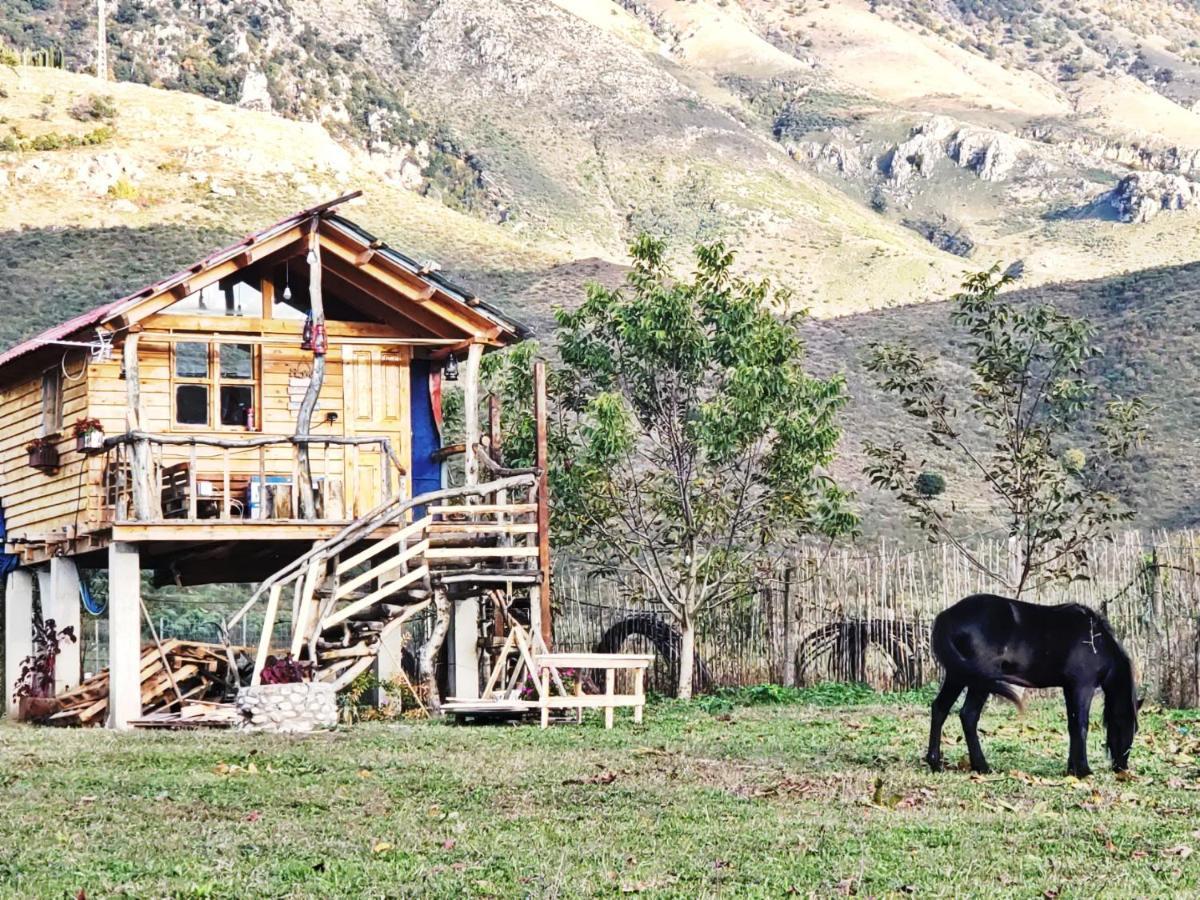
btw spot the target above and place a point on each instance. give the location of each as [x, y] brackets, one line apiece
[237, 399]
[232, 296]
[214, 383]
[191, 404]
[52, 401]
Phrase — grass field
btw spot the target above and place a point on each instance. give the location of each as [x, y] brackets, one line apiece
[822, 795]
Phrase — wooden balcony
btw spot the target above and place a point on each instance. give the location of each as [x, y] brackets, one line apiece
[201, 484]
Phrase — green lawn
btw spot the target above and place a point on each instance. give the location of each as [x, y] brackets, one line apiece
[704, 799]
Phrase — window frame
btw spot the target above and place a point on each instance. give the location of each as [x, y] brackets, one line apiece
[53, 402]
[213, 382]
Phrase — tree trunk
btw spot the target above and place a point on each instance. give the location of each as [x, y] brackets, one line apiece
[687, 657]
[433, 646]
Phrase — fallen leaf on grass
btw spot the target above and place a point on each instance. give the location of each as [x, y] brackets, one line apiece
[791, 787]
[365, 773]
[449, 844]
[882, 800]
[254, 816]
[847, 887]
[224, 768]
[600, 778]
[381, 847]
[1182, 851]
[1125, 775]
[1002, 805]
[1035, 780]
[650, 884]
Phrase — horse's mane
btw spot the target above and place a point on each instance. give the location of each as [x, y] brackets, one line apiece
[1120, 695]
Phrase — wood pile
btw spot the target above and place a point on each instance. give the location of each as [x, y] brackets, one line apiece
[188, 690]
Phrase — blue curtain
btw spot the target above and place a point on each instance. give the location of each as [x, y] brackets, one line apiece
[8, 562]
[426, 471]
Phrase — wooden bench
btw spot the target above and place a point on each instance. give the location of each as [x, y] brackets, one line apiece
[503, 691]
[609, 663]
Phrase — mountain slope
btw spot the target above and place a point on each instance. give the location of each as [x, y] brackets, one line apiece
[527, 115]
[864, 154]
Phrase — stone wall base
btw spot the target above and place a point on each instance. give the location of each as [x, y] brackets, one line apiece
[287, 708]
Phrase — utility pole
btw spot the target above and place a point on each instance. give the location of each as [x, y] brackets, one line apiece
[102, 39]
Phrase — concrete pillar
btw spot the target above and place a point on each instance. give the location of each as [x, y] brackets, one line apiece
[465, 647]
[124, 634]
[389, 663]
[61, 603]
[18, 631]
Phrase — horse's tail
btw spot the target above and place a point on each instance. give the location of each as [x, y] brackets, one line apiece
[1013, 693]
[949, 650]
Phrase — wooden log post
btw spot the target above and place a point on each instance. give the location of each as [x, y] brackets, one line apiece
[18, 631]
[61, 603]
[464, 643]
[308, 503]
[540, 614]
[471, 411]
[124, 634]
[146, 491]
[433, 646]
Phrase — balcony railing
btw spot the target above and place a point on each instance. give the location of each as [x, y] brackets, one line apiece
[152, 477]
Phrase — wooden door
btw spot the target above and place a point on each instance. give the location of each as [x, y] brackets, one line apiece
[375, 386]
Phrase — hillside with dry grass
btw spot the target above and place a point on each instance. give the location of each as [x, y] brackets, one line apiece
[864, 154]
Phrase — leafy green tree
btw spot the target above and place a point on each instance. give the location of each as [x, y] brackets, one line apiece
[1032, 398]
[687, 438]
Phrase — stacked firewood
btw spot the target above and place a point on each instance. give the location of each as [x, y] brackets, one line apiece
[181, 681]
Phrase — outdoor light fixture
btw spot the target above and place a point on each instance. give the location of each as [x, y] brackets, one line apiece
[450, 370]
[287, 282]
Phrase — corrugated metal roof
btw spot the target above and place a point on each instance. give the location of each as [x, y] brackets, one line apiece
[451, 288]
[111, 310]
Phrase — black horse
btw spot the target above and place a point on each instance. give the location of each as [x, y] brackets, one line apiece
[993, 645]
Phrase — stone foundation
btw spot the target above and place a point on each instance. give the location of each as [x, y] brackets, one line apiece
[287, 708]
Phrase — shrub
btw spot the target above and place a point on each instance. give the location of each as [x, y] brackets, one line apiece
[52, 140]
[1073, 459]
[94, 108]
[123, 189]
[930, 484]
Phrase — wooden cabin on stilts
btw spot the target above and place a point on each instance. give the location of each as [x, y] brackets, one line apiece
[270, 415]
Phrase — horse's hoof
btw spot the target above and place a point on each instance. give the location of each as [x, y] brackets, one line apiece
[1085, 772]
[935, 764]
[985, 769]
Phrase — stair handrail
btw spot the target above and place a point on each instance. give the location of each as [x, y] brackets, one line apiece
[384, 514]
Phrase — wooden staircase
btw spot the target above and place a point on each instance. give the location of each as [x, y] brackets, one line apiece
[350, 592]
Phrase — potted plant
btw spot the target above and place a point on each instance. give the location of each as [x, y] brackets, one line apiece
[43, 453]
[34, 688]
[89, 435]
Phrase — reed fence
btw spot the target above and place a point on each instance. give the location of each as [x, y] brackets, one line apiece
[863, 614]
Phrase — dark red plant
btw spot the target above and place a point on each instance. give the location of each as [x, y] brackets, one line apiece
[285, 670]
[36, 675]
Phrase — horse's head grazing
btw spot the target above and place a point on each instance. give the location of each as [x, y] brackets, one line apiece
[1121, 707]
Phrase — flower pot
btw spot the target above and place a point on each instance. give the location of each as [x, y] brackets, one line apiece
[36, 709]
[45, 457]
[89, 442]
